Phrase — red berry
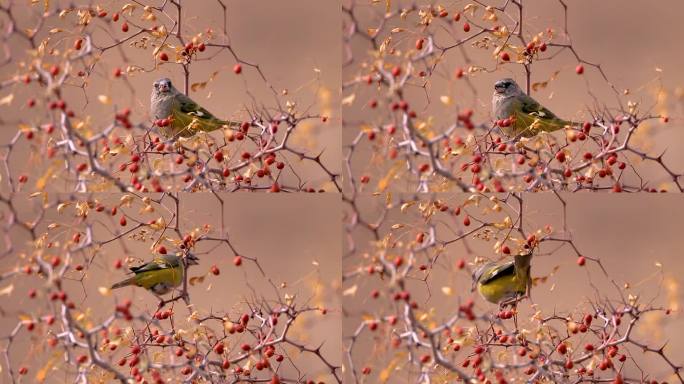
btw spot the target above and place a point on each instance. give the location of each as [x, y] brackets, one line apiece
[560, 156]
[163, 56]
[579, 69]
[237, 69]
[505, 56]
[562, 349]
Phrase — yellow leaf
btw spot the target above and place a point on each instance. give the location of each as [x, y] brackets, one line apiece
[104, 291]
[104, 99]
[387, 371]
[41, 375]
[447, 291]
[43, 180]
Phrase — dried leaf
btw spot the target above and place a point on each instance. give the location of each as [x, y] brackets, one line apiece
[7, 290]
[349, 100]
[351, 291]
[406, 206]
[7, 100]
[62, 206]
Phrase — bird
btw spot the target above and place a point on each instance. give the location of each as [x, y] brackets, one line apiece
[519, 114]
[160, 275]
[504, 282]
[177, 115]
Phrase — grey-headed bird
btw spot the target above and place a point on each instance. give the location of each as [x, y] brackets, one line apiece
[181, 115]
[526, 116]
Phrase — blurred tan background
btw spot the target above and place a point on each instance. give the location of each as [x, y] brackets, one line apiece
[296, 44]
[295, 238]
[635, 42]
[629, 234]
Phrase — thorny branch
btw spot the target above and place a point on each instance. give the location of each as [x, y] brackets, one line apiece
[393, 244]
[64, 46]
[58, 243]
[394, 48]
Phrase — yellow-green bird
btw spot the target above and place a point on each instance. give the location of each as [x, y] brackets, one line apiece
[504, 281]
[160, 275]
[526, 117]
[179, 115]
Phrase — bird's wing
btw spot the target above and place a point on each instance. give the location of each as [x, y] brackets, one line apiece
[188, 106]
[156, 264]
[532, 107]
[501, 270]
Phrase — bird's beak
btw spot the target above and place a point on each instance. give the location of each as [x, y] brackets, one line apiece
[499, 88]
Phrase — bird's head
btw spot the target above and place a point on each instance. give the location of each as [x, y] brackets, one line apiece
[506, 87]
[163, 86]
[191, 259]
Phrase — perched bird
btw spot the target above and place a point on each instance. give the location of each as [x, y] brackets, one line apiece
[177, 115]
[160, 275]
[504, 282]
[526, 117]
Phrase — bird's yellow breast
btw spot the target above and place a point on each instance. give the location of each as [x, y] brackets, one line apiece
[169, 276]
[504, 287]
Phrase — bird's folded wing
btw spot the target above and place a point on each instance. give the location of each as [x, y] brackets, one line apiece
[491, 274]
[153, 265]
[532, 107]
[188, 106]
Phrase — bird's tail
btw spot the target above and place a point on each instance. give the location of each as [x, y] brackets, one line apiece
[124, 283]
[224, 123]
